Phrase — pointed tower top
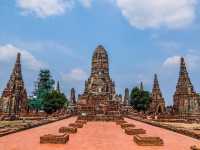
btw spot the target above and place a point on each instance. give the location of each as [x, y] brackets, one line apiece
[141, 86]
[156, 83]
[16, 72]
[58, 87]
[18, 57]
[73, 96]
[182, 60]
[184, 84]
[183, 69]
[126, 97]
[156, 87]
[100, 60]
[100, 47]
[100, 50]
[157, 104]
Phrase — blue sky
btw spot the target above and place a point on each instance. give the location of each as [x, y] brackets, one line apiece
[142, 38]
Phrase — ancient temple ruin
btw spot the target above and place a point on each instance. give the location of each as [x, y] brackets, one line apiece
[126, 97]
[186, 100]
[99, 94]
[157, 104]
[14, 96]
[73, 96]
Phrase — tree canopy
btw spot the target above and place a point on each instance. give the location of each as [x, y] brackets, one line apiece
[45, 97]
[45, 84]
[140, 99]
[35, 104]
[54, 101]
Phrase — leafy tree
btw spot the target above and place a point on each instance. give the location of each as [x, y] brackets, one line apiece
[45, 84]
[47, 98]
[35, 104]
[140, 99]
[54, 101]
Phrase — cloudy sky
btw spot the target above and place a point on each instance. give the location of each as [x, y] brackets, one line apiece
[142, 37]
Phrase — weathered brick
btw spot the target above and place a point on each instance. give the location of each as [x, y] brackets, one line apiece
[143, 140]
[54, 139]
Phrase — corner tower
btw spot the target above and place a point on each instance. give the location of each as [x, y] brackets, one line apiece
[14, 96]
[186, 100]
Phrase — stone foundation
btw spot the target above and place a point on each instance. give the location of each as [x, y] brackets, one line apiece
[148, 141]
[101, 117]
[120, 122]
[81, 121]
[126, 125]
[76, 125]
[69, 130]
[132, 131]
[54, 139]
[195, 148]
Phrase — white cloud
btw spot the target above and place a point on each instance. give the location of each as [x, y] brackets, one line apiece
[172, 61]
[172, 14]
[192, 59]
[45, 8]
[8, 52]
[76, 74]
[86, 3]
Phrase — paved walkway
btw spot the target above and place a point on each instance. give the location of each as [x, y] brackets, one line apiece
[94, 136]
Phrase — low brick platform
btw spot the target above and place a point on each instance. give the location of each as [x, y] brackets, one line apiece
[100, 117]
[76, 125]
[54, 139]
[144, 140]
[81, 121]
[126, 125]
[120, 122]
[195, 148]
[69, 130]
[132, 131]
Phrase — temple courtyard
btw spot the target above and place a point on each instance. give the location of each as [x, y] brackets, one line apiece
[95, 136]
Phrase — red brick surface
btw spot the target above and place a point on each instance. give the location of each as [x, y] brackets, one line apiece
[94, 136]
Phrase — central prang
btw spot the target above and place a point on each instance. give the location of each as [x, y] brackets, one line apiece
[99, 96]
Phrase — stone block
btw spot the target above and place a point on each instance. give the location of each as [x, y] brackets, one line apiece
[132, 131]
[195, 148]
[120, 122]
[81, 121]
[54, 139]
[126, 125]
[76, 125]
[68, 130]
[144, 140]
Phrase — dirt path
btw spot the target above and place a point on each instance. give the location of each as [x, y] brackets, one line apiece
[94, 136]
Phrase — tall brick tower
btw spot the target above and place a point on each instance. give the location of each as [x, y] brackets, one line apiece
[157, 104]
[99, 88]
[186, 100]
[14, 97]
[126, 97]
[73, 96]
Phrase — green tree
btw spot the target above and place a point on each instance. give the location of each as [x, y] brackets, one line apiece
[140, 99]
[45, 84]
[54, 101]
[35, 104]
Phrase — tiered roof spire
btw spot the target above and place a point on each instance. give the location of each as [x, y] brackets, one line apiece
[184, 84]
[157, 101]
[14, 95]
[186, 100]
